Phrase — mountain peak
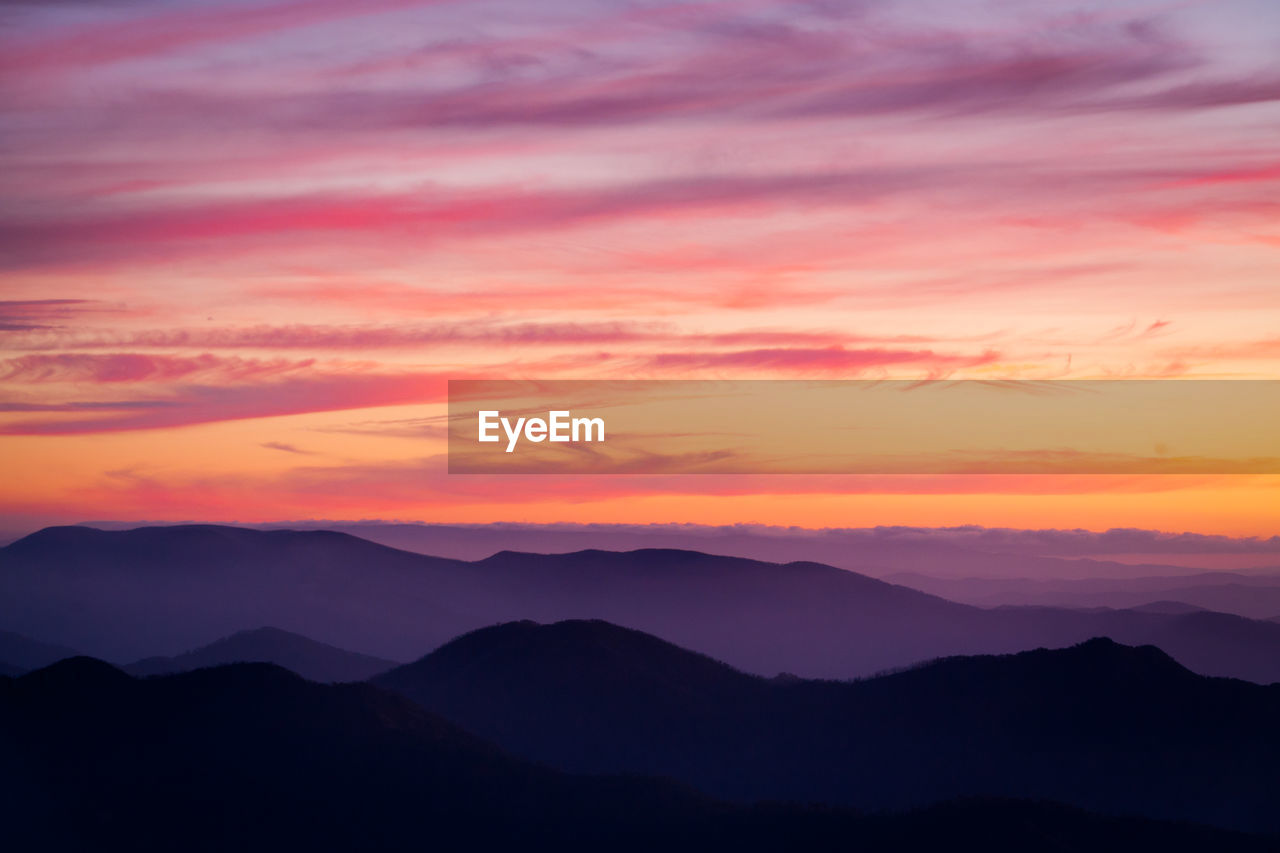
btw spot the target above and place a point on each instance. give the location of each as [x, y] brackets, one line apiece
[581, 663]
[1101, 649]
[569, 639]
[1094, 661]
[309, 658]
[80, 672]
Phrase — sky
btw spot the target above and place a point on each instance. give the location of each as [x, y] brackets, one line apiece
[243, 246]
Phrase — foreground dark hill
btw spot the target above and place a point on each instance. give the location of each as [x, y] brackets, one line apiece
[580, 695]
[312, 660]
[124, 595]
[253, 756]
[250, 757]
[1099, 725]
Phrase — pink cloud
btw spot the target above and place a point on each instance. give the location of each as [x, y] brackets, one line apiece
[352, 337]
[1264, 349]
[285, 448]
[186, 405]
[507, 297]
[27, 314]
[31, 315]
[135, 367]
[468, 333]
[163, 32]
[432, 216]
[731, 63]
[833, 360]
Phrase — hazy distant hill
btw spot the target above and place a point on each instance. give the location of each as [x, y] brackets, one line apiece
[1168, 607]
[953, 552]
[165, 590]
[123, 595]
[1255, 596]
[250, 757]
[25, 653]
[1099, 725]
[866, 551]
[311, 660]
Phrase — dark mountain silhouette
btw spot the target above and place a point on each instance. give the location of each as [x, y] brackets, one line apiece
[25, 653]
[252, 757]
[124, 595]
[1099, 725]
[313, 661]
[580, 695]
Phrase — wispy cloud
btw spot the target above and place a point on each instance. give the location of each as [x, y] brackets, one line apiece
[186, 405]
[827, 361]
[285, 448]
[139, 367]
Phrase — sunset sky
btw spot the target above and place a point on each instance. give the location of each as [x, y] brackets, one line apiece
[243, 245]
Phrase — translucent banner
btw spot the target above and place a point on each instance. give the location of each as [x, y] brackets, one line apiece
[864, 427]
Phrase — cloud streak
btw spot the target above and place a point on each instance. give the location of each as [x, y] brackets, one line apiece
[826, 361]
[187, 405]
[136, 367]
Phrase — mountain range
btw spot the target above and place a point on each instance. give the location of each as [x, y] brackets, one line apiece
[125, 595]
[1099, 725]
[1255, 595]
[877, 552]
[253, 758]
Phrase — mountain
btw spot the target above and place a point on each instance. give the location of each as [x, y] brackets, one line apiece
[313, 661]
[1167, 607]
[875, 552]
[1099, 725]
[10, 671]
[1254, 596]
[125, 595]
[25, 653]
[580, 695]
[251, 757]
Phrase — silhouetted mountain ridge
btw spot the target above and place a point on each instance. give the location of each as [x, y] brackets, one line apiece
[123, 595]
[1100, 725]
[591, 673]
[254, 758]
